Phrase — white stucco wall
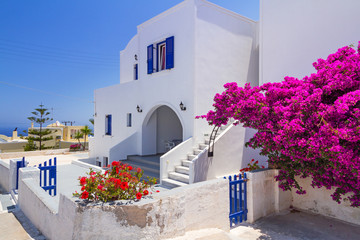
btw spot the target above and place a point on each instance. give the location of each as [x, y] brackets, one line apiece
[263, 195]
[4, 176]
[294, 34]
[318, 200]
[225, 50]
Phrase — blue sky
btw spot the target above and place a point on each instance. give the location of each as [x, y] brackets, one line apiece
[58, 52]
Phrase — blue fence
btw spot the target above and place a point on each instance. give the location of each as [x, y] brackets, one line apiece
[237, 197]
[19, 164]
[48, 177]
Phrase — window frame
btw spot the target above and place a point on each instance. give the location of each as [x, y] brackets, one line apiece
[128, 120]
[108, 130]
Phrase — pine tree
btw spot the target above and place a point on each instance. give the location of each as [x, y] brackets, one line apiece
[40, 135]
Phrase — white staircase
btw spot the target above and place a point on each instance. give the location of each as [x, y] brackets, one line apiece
[180, 175]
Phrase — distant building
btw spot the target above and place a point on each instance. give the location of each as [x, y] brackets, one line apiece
[63, 136]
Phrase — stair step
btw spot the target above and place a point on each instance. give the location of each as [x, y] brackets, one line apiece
[191, 157]
[172, 183]
[179, 177]
[197, 151]
[185, 163]
[207, 141]
[182, 169]
[202, 146]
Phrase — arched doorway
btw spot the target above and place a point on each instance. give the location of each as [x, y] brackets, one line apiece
[161, 126]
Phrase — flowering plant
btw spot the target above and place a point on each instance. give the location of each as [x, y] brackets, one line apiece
[121, 182]
[251, 166]
[75, 147]
[308, 127]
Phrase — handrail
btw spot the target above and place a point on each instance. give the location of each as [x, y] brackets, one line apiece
[212, 141]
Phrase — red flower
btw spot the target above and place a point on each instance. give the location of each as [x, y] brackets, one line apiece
[157, 191]
[82, 188]
[138, 170]
[146, 192]
[106, 172]
[130, 168]
[114, 163]
[138, 196]
[100, 187]
[92, 173]
[82, 181]
[124, 185]
[262, 167]
[85, 195]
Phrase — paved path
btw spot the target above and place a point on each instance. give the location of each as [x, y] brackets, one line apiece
[292, 225]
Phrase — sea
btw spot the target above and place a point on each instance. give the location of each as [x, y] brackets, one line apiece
[7, 131]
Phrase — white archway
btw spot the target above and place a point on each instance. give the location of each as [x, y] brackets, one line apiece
[160, 125]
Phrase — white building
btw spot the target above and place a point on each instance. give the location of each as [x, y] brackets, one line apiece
[185, 55]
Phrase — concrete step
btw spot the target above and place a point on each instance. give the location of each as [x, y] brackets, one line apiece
[182, 169]
[179, 177]
[202, 146]
[172, 183]
[191, 157]
[197, 151]
[185, 162]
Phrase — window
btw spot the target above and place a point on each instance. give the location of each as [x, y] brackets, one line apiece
[136, 71]
[164, 55]
[128, 120]
[108, 125]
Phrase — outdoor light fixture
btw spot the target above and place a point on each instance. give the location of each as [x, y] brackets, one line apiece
[182, 106]
[135, 56]
[138, 109]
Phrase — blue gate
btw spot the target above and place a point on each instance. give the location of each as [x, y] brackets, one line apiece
[48, 177]
[237, 197]
[19, 164]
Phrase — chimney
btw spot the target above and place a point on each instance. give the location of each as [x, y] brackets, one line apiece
[32, 124]
[14, 135]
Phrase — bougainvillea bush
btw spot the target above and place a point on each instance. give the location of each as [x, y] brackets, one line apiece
[121, 182]
[306, 127]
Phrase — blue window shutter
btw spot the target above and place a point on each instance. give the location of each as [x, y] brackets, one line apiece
[170, 52]
[109, 125]
[150, 59]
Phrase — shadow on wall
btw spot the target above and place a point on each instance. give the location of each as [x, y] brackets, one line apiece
[202, 166]
[250, 153]
[126, 147]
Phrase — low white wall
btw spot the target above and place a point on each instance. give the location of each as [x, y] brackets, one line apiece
[263, 195]
[163, 215]
[318, 200]
[173, 158]
[55, 220]
[168, 214]
[33, 153]
[4, 176]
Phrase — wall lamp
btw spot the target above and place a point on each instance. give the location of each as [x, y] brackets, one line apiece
[182, 107]
[138, 109]
[136, 57]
